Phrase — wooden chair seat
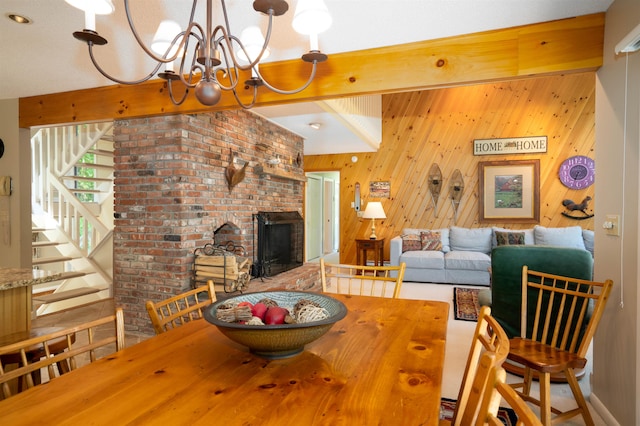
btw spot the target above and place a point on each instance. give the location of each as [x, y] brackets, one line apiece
[543, 358]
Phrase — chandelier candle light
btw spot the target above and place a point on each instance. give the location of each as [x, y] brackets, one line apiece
[374, 211]
[211, 57]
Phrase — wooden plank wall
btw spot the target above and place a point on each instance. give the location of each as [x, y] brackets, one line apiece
[420, 128]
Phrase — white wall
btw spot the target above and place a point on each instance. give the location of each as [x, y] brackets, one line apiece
[615, 386]
[16, 163]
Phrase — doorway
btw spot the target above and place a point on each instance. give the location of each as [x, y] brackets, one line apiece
[322, 224]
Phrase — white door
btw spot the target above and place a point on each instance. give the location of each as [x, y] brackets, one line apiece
[328, 219]
[313, 217]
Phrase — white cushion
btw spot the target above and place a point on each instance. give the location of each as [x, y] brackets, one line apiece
[528, 235]
[570, 236]
[467, 239]
[444, 236]
[423, 259]
[467, 260]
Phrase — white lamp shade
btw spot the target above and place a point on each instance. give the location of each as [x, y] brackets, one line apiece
[253, 41]
[166, 32]
[374, 210]
[98, 7]
[311, 17]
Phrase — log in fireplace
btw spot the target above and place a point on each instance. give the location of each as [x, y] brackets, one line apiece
[280, 242]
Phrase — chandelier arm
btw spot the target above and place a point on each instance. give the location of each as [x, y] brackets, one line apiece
[289, 92]
[184, 35]
[192, 69]
[228, 39]
[117, 80]
[173, 99]
[253, 101]
[231, 72]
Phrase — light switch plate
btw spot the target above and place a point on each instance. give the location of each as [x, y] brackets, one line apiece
[613, 222]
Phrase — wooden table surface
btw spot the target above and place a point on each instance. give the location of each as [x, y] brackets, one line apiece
[381, 364]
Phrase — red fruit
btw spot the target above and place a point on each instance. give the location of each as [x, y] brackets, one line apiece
[275, 315]
[258, 310]
[245, 304]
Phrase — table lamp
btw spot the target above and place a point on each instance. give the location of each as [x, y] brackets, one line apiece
[374, 211]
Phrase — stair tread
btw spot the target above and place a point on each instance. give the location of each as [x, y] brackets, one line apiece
[85, 191]
[45, 243]
[66, 294]
[51, 286]
[88, 179]
[94, 166]
[42, 260]
[104, 152]
[35, 230]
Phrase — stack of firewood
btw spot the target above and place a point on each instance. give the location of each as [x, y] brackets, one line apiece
[229, 272]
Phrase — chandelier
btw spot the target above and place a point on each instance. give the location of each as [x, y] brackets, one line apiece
[211, 57]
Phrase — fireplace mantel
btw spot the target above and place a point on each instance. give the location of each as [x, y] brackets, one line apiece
[266, 170]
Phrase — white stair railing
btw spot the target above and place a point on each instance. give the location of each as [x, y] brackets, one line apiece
[77, 222]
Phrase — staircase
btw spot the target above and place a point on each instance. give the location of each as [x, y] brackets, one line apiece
[72, 214]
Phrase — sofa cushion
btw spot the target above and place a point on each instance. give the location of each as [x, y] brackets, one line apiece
[431, 240]
[528, 235]
[423, 259]
[588, 236]
[467, 260]
[444, 236]
[466, 239]
[512, 238]
[570, 236]
[411, 242]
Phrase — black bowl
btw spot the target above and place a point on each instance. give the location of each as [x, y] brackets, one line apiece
[283, 340]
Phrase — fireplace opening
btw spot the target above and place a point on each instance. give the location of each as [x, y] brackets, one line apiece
[280, 242]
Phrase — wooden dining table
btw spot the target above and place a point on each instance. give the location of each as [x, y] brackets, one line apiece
[381, 364]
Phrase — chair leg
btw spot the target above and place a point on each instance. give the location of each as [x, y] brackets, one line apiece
[577, 394]
[545, 398]
[528, 377]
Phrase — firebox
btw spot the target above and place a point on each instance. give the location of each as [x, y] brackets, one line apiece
[280, 242]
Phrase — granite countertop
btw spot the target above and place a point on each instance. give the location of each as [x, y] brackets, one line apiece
[21, 277]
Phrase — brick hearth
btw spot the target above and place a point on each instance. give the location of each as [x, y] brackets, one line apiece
[302, 278]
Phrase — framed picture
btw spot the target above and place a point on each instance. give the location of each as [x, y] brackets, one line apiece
[509, 191]
[380, 189]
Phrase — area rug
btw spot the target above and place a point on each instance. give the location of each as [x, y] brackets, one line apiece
[465, 303]
[506, 415]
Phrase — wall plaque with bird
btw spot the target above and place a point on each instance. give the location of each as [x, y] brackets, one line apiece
[575, 207]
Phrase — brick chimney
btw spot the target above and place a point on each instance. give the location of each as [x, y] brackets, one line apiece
[171, 195]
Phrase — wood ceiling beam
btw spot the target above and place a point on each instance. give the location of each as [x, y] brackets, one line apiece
[563, 46]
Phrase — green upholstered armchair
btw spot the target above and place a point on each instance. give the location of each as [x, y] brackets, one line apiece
[506, 276]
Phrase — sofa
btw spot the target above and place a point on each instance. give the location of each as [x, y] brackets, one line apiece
[459, 255]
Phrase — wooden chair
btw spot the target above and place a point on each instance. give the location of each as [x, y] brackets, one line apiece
[180, 309]
[489, 348]
[497, 390]
[566, 312]
[362, 280]
[80, 340]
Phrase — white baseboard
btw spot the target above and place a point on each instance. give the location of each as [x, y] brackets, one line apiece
[602, 410]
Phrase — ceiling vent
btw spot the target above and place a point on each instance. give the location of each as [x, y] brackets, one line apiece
[630, 43]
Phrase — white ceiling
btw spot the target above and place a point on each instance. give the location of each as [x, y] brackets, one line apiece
[43, 57]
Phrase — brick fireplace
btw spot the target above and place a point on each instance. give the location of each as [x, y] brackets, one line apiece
[171, 195]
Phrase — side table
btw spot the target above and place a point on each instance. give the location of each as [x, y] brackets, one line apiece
[364, 245]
